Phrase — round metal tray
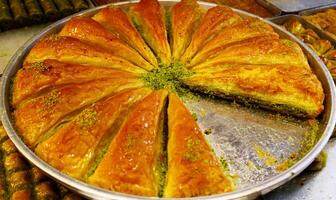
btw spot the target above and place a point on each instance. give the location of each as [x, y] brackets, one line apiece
[237, 130]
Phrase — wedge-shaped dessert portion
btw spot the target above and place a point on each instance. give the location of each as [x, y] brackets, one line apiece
[184, 18]
[36, 77]
[72, 50]
[130, 164]
[193, 169]
[148, 17]
[260, 50]
[285, 88]
[116, 21]
[212, 23]
[72, 147]
[90, 31]
[248, 28]
[35, 116]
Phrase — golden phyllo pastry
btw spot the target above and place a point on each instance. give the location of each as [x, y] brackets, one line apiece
[37, 115]
[73, 146]
[148, 17]
[284, 88]
[36, 77]
[193, 169]
[131, 161]
[184, 18]
[212, 23]
[260, 50]
[90, 31]
[117, 22]
[72, 50]
[248, 28]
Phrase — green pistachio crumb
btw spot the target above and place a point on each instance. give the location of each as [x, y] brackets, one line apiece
[86, 118]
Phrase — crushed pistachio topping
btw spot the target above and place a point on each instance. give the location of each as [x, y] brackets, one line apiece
[224, 163]
[51, 99]
[208, 131]
[86, 118]
[194, 115]
[192, 153]
[40, 66]
[168, 77]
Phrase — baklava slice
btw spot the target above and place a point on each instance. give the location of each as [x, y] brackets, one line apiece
[72, 50]
[259, 50]
[130, 164]
[116, 21]
[211, 24]
[90, 31]
[148, 17]
[193, 168]
[72, 146]
[285, 88]
[33, 78]
[37, 115]
[184, 19]
[248, 28]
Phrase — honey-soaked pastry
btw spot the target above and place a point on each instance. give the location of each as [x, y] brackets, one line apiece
[284, 88]
[131, 162]
[72, 147]
[260, 50]
[72, 50]
[90, 31]
[35, 116]
[35, 77]
[184, 17]
[193, 169]
[148, 17]
[248, 28]
[115, 20]
[212, 23]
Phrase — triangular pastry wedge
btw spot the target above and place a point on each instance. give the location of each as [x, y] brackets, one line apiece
[35, 116]
[90, 31]
[131, 161]
[72, 50]
[73, 146]
[193, 168]
[214, 20]
[284, 88]
[148, 17]
[116, 21]
[36, 77]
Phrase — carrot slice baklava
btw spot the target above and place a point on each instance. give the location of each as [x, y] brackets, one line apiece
[116, 21]
[212, 23]
[184, 19]
[72, 146]
[131, 161]
[148, 17]
[35, 116]
[193, 169]
[72, 50]
[90, 31]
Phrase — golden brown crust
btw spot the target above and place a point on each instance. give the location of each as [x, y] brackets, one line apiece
[213, 21]
[259, 50]
[116, 21]
[288, 85]
[34, 117]
[185, 16]
[90, 31]
[148, 16]
[33, 78]
[129, 164]
[246, 29]
[71, 148]
[72, 50]
[193, 169]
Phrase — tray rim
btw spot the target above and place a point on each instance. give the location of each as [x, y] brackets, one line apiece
[91, 191]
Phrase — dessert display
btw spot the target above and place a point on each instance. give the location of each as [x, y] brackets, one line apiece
[324, 20]
[102, 100]
[322, 47]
